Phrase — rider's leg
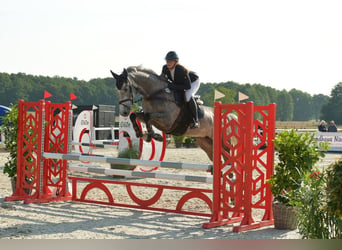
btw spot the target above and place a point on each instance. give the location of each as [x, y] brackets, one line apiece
[189, 98]
[194, 112]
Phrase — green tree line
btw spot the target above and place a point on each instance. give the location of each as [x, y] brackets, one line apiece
[31, 88]
[293, 105]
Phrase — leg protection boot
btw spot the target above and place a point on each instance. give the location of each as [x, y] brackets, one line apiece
[193, 109]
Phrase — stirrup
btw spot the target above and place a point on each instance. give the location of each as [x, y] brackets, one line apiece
[194, 124]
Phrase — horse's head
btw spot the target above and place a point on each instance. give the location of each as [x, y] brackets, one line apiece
[125, 91]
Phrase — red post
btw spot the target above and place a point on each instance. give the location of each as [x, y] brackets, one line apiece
[270, 160]
[28, 150]
[56, 141]
[247, 159]
[216, 204]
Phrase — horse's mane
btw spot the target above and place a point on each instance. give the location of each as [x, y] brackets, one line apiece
[140, 68]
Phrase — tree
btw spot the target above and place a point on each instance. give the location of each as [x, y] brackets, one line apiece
[332, 110]
[294, 104]
[318, 101]
[302, 105]
[6, 90]
[206, 92]
[284, 106]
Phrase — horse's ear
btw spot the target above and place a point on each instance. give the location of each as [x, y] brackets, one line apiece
[125, 73]
[119, 80]
[116, 76]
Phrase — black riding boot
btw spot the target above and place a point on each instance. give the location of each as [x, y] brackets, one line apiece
[193, 109]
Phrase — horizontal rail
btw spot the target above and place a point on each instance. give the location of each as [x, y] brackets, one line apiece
[129, 162]
[157, 175]
[97, 145]
[106, 128]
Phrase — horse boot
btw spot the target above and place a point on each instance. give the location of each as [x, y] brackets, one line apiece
[193, 109]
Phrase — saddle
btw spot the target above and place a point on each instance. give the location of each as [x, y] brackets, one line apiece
[184, 118]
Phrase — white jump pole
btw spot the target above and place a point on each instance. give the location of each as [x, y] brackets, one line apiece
[130, 162]
[155, 175]
[97, 145]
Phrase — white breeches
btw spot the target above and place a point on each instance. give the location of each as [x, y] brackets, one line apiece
[193, 90]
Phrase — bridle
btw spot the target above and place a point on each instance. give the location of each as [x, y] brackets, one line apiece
[130, 99]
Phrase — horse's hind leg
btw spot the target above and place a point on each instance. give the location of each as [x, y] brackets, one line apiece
[206, 144]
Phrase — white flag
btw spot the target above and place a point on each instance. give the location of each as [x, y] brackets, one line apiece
[218, 95]
[242, 96]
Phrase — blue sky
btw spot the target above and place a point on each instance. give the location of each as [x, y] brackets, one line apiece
[281, 44]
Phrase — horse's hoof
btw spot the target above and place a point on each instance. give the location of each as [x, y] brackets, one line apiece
[144, 137]
[158, 137]
[147, 137]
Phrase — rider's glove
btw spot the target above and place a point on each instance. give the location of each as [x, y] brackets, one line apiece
[171, 86]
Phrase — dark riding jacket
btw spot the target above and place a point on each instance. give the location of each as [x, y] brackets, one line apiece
[332, 128]
[322, 128]
[182, 78]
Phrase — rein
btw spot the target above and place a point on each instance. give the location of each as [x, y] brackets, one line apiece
[155, 93]
[147, 96]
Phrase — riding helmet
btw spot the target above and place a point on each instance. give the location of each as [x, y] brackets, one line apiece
[171, 56]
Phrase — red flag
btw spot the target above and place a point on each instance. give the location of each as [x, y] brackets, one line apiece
[72, 96]
[46, 94]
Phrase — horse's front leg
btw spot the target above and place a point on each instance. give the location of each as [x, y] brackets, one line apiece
[151, 134]
[146, 118]
[133, 118]
[150, 131]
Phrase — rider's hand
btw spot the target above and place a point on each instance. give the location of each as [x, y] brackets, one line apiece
[167, 90]
[171, 86]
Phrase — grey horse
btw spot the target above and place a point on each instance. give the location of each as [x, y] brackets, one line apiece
[161, 108]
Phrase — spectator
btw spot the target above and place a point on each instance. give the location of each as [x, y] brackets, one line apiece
[332, 127]
[322, 127]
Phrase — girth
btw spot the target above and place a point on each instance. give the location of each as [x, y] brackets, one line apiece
[182, 122]
[184, 119]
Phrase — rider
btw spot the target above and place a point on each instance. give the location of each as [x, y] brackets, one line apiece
[182, 80]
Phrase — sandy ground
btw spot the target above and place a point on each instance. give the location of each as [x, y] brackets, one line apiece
[73, 220]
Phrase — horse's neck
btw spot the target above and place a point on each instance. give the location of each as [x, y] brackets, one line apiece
[148, 85]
